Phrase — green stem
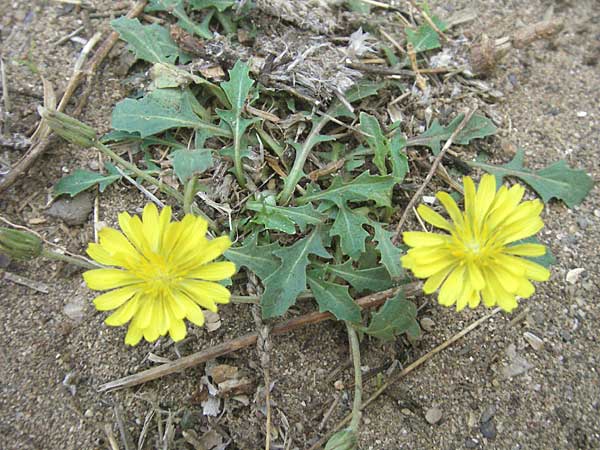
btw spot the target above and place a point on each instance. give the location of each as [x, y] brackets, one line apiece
[237, 154]
[188, 195]
[165, 188]
[229, 27]
[297, 169]
[270, 142]
[355, 350]
[69, 259]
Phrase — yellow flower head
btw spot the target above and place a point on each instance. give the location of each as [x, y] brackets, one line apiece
[166, 273]
[478, 257]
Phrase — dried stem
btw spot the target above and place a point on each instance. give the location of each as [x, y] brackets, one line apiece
[432, 170]
[423, 359]
[357, 403]
[367, 302]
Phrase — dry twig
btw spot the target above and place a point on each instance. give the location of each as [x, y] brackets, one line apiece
[367, 302]
[432, 171]
[423, 359]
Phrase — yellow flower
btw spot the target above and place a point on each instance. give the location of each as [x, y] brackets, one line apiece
[166, 276]
[478, 258]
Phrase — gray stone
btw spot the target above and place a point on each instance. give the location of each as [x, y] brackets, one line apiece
[488, 429]
[487, 414]
[433, 415]
[471, 443]
[72, 211]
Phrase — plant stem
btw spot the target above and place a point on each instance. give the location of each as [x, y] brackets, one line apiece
[355, 350]
[69, 259]
[297, 169]
[165, 188]
[237, 154]
[188, 195]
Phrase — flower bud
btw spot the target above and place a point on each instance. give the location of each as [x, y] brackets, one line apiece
[19, 244]
[68, 128]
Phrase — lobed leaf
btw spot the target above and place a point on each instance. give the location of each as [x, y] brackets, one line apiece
[187, 163]
[334, 298]
[376, 140]
[425, 37]
[158, 111]
[395, 317]
[555, 181]
[284, 285]
[81, 180]
[348, 225]
[373, 279]
[478, 127]
[151, 43]
[282, 218]
[390, 254]
[258, 259]
[362, 188]
[177, 9]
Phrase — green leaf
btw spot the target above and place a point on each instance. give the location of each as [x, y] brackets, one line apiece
[478, 127]
[158, 111]
[190, 162]
[362, 188]
[166, 75]
[376, 140]
[238, 86]
[425, 37]
[399, 158]
[349, 227]
[395, 317]
[357, 92]
[283, 218]
[80, 180]
[390, 254]
[220, 5]
[335, 299]
[151, 43]
[343, 440]
[258, 259]
[284, 285]
[177, 9]
[374, 279]
[555, 181]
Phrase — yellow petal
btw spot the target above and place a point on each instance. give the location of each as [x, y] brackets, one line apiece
[98, 254]
[530, 269]
[451, 207]
[526, 250]
[424, 239]
[206, 293]
[503, 298]
[470, 207]
[144, 315]
[116, 244]
[432, 217]
[474, 299]
[134, 335]
[452, 287]
[125, 312]
[132, 227]
[177, 330]
[165, 317]
[114, 299]
[526, 288]
[507, 279]
[150, 225]
[103, 279]
[434, 266]
[435, 280]
[485, 195]
[151, 332]
[213, 271]
[475, 276]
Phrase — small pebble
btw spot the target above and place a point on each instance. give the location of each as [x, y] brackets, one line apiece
[581, 113]
[518, 366]
[427, 324]
[488, 413]
[488, 429]
[433, 415]
[574, 274]
[472, 420]
[73, 211]
[88, 413]
[339, 385]
[536, 343]
[582, 222]
[471, 443]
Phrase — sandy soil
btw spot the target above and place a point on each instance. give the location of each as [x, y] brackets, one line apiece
[52, 365]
